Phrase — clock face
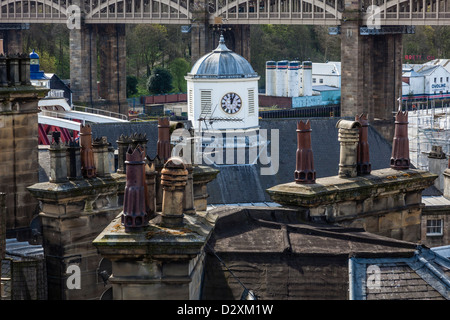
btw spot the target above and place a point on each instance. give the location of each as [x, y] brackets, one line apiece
[231, 103]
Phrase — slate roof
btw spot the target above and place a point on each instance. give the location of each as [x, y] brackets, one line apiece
[244, 183]
[271, 252]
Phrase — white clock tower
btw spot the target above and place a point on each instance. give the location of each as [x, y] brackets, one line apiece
[222, 91]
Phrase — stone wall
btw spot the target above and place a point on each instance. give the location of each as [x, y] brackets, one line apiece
[72, 215]
[19, 166]
[387, 202]
[436, 213]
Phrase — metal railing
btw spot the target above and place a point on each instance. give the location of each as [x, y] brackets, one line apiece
[308, 112]
[101, 112]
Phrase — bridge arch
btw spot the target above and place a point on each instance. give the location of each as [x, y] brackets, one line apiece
[34, 9]
[179, 7]
[333, 11]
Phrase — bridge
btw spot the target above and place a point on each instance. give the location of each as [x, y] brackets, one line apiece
[57, 115]
[370, 32]
[311, 12]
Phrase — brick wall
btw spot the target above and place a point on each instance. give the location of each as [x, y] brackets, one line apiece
[270, 101]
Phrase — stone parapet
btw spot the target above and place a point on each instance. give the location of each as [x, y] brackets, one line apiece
[157, 262]
[19, 165]
[386, 202]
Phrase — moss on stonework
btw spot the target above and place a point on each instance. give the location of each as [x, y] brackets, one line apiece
[333, 189]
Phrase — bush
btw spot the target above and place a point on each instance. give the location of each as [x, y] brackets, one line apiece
[132, 83]
[160, 81]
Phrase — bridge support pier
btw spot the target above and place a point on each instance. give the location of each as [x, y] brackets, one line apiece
[83, 65]
[110, 94]
[371, 80]
[12, 40]
[113, 72]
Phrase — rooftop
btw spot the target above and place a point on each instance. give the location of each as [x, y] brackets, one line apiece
[278, 257]
[222, 63]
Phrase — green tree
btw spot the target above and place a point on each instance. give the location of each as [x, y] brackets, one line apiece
[179, 68]
[160, 81]
[132, 83]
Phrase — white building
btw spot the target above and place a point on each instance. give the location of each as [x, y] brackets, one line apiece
[428, 81]
[327, 74]
[222, 91]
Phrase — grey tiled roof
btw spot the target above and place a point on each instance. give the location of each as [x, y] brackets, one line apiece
[271, 252]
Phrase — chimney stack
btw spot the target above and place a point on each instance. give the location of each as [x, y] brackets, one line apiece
[135, 205]
[174, 177]
[304, 171]
[348, 137]
[400, 144]
[363, 165]
[87, 155]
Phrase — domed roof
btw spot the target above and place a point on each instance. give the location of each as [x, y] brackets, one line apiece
[34, 55]
[222, 63]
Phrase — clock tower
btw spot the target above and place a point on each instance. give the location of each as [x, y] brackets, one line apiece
[222, 91]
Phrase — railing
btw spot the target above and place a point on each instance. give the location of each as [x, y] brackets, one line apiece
[309, 112]
[233, 11]
[101, 112]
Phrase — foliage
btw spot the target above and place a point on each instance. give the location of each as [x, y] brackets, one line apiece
[427, 43]
[150, 45]
[179, 68]
[132, 82]
[160, 81]
[51, 43]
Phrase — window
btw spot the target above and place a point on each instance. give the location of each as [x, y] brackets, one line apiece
[434, 227]
[435, 80]
[442, 79]
[314, 80]
[447, 79]
[321, 80]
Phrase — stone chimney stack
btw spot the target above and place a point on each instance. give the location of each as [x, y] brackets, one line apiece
[73, 159]
[122, 145]
[438, 164]
[87, 154]
[400, 144]
[101, 157]
[174, 177]
[363, 165]
[58, 166]
[163, 144]
[348, 137]
[304, 171]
